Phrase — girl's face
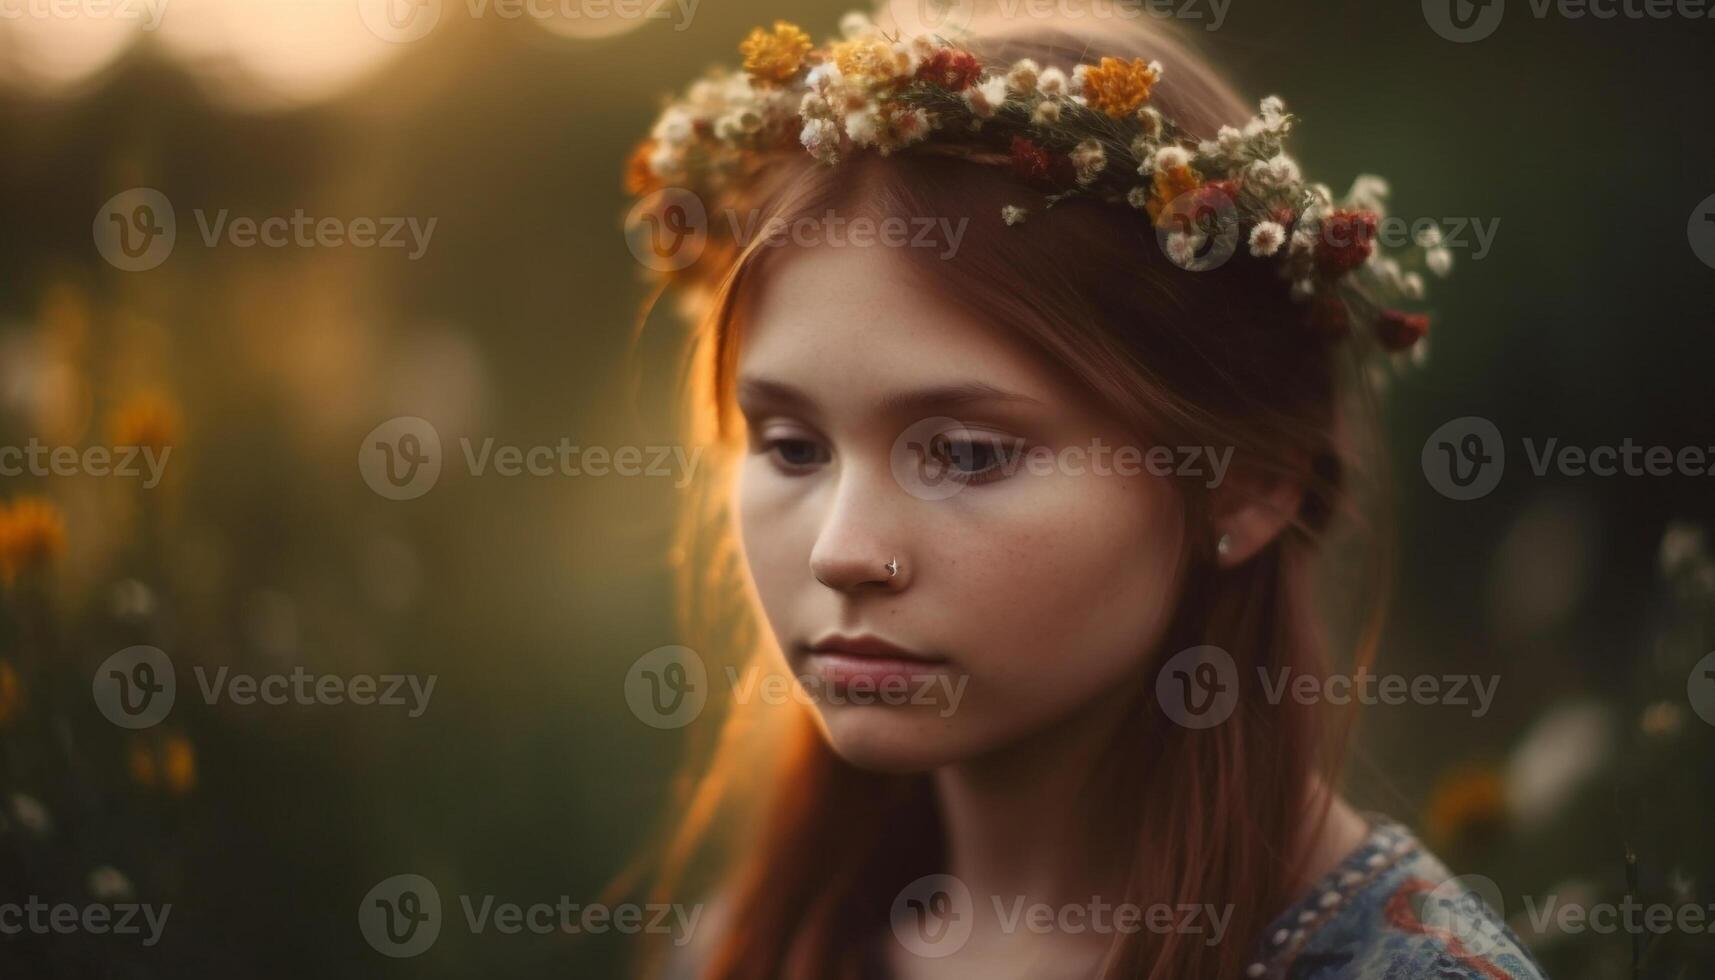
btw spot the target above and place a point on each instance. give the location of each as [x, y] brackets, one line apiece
[1036, 566]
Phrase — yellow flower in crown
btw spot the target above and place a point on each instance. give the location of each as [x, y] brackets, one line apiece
[1119, 88]
[873, 58]
[32, 533]
[775, 56]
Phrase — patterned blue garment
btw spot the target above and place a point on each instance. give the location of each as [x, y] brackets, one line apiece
[1384, 914]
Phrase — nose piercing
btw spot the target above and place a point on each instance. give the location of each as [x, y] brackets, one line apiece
[892, 567]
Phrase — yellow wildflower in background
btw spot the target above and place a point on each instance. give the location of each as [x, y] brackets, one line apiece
[178, 765]
[11, 693]
[170, 764]
[32, 534]
[1464, 803]
[149, 420]
[777, 56]
[1119, 87]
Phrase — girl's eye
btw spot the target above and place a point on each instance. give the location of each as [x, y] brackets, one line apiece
[795, 455]
[973, 460]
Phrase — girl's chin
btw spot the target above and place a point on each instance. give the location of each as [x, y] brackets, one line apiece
[870, 739]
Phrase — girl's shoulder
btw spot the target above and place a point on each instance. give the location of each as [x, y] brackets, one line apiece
[1392, 911]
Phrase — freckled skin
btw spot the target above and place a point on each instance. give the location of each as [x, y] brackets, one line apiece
[1047, 590]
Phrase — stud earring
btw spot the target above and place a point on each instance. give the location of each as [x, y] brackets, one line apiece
[1224, 546]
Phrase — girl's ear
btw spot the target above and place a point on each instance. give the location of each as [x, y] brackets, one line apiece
[1252, 506]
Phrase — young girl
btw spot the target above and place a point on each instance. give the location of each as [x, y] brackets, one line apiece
[1028, 355]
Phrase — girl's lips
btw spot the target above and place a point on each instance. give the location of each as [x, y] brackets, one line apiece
[842, 669]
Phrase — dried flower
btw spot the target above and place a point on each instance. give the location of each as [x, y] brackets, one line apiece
[776, 56]
[1012, 214]
[952, 70]
[987, 97]
[872, 58]
[1398, 331]
[1346, 241]
[1052, 83]
[1023, 76]
[1266, 239]
[1088, 160]
[1119, 87]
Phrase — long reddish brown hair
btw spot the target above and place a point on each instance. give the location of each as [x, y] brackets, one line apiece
[1222, 815]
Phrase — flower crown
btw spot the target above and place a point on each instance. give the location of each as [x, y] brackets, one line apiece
[1090, 134]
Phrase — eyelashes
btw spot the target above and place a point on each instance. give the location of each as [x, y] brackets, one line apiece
[972, 458]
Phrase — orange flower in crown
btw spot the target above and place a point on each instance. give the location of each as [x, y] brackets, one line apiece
[1118, 88]
[1090, 133]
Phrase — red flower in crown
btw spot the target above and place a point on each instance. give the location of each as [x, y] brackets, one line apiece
[1038, 165]
[951, 69]
[1347, 239]
[1398, 330]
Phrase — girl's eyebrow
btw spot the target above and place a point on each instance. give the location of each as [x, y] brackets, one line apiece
[917, 400]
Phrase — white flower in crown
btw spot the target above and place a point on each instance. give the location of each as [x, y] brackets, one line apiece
[1266, 238]
[1277, 172]
[1369, 192]
[1023, 76]
[1046, 112]
[1088, 160]
[822, 138]
[986, 97]
[1170, 158]
[863, 127]
[1052, 83]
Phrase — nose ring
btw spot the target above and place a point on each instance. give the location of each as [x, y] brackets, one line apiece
[892, 567]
